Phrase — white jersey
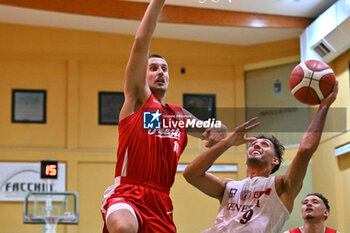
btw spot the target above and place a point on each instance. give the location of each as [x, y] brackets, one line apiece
[250, 205]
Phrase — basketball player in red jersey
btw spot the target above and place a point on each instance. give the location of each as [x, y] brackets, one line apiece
[259, 203]
[147, 157]
[315, 210]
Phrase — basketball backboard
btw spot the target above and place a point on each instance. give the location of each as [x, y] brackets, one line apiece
[43, 207]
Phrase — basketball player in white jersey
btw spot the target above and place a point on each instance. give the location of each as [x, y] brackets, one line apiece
[259, 203]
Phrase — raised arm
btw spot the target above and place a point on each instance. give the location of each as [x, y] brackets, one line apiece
[196, 173]
[136, 90]
[289, 184]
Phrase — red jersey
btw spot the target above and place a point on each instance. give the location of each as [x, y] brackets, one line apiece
[146, 166]
[150, 155]
[327, 230]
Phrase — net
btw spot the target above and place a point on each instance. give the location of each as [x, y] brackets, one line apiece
[51, 224]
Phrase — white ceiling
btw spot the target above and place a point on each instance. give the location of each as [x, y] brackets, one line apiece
[216, 34]
[303, 8]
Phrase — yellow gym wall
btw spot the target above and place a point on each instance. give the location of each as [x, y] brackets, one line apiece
[331, 174]
[74, 65]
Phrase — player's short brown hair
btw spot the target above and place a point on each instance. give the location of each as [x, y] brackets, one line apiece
[156, 56]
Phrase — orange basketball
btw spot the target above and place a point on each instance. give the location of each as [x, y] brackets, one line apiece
[311, 81]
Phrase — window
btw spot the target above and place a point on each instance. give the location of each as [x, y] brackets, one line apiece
[110, 104]
[203, 106]
[28, 106]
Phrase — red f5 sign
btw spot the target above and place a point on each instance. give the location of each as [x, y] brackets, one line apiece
[49, 169]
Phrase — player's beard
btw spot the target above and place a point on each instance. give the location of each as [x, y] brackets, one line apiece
[309, 217]
[256, 161]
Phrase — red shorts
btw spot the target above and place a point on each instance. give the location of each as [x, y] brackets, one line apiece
[151, 203]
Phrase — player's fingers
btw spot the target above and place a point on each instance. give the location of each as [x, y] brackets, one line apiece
[250, 121]
[336, 87]
[245, 125]
[209, 143]
[250, 139]
[212, 140]
[252, 126]
[204, 135]
[334, 93]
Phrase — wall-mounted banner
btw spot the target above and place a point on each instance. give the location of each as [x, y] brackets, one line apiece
[18, 178]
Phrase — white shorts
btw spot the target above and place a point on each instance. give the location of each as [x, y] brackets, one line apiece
[121, 206]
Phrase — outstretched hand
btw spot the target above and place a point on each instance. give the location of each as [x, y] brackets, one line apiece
[331, 97]
[237, 137]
